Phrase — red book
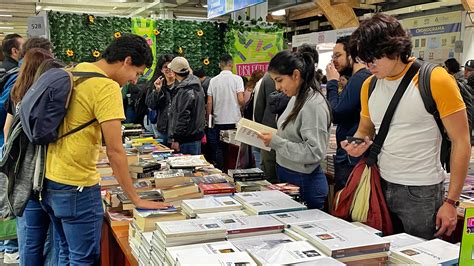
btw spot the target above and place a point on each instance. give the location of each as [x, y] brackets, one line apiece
[221, 188]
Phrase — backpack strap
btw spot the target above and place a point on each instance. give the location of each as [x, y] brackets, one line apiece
[85, 75]
[372, 84]
[387, 118]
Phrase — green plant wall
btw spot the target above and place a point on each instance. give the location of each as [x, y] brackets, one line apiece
[82, 35]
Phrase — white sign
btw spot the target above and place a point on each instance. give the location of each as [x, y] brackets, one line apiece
[315, 38]
[36, 26]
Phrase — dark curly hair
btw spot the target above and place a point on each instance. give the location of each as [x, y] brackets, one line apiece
[452, 66]
[345, 42]
[380, 36]
[129, 45]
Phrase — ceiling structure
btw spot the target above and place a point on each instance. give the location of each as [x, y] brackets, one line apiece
[14, 14]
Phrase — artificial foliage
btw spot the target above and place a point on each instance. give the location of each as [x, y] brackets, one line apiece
[84, 36]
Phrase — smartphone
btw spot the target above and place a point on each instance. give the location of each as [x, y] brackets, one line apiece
[355, 140]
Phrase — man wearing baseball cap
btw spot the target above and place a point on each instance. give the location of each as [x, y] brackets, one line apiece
[187, 111]
[469, 68]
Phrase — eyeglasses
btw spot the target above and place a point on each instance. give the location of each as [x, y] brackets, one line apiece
[372, 63]
[335, 56]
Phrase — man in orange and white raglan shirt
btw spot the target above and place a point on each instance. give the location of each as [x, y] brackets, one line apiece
[409, 162]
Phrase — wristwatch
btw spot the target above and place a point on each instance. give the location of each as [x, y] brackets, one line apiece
[455, 203]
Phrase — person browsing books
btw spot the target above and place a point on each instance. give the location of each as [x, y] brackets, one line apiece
[303, 129]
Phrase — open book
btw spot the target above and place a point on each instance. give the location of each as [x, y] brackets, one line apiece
[248, 130]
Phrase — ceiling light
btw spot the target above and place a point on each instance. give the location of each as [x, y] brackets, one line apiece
[6, 27]
[280, 12]
[5, 15]
[205, 5]
[38, 8]
[114, 8]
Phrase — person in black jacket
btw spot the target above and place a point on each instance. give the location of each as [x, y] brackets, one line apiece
[187, 110]
[159, 98]
[345, 106]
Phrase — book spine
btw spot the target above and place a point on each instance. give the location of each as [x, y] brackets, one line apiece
[248, 178]
[218, 191]
[259, 229]
[357, 251]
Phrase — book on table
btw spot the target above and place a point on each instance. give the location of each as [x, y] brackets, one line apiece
[127, 204]
[187, 161]
[192, 227]
[218, 215]
[144, 166]
[245, 175]
[259, 195]
[289, 218]
[250, 186]
[220, 247]
[215, 189]
[273, 206]
[368, 228]
[209, 204]
[248, 132]
[228, 259]
[313, 229]
[209, 179]
[401, 240]
[146, 219]
[239, 226]
[261, 241]
[179, 190]
[431, 252]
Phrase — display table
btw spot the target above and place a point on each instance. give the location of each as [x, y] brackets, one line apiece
[114, 246]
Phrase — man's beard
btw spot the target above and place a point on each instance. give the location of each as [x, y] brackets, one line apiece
[347, 71]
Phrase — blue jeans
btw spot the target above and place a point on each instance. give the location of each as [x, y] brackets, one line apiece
[193, 148]
[256, 156]
[77, 218]
[36, 240]
[161, 136]
[9, 246]
[313, 187]
[130, 115]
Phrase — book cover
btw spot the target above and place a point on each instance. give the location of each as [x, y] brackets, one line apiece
[274, 206]
[251, 224]
[228, 259]
[190, 227]
[287, 254]
[313, 229]
[248, 131]
[430, 252]
[219, 215]
[179, 190]
[302, 216]
[209, 179]
[402, 240]
[261, 241]
[220, 188]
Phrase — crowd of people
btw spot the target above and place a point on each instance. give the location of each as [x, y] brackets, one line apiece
[185, 109]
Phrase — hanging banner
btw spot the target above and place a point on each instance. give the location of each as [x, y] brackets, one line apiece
[434, 37]
[145, 28]
[254, 50]
[217, 8]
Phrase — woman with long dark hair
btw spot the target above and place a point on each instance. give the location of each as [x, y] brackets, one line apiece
[303, 128]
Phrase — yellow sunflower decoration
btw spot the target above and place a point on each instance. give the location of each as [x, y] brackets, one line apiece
[200, 33]
[96, 54]
[91, 19]
[70, 53]
[180, 50]
[117, 34]
[156, 32]
[206, 61]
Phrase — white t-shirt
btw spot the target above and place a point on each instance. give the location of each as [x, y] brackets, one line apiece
[411, 152]
[224, 88]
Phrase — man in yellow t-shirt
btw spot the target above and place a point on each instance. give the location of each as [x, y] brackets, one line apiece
[409, 162]
[71, 193]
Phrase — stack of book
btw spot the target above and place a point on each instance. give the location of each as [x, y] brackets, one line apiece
[368, 228]
[143, 169]
[250, 186]
[218, 215]
[187, 162]
[402, 240]
[432, 252]
[219, 189]
[145, 220]
[268, 202]
[242, 226]
[118, 218]
[292, 253]
[127, 204]
[172, 177]
[327, 164]
[286, 188]
[210, 179]
[244, 175]
[129, 130]
[144, 251]
[193, 207]
[238, 258]
[351, 245]
[178, 233]
[289, 218]
[176, 194]
[261, 241]
[199, 252]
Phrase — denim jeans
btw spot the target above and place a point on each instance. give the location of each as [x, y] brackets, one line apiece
[256, 156]
[35, 236]
[269, 165]
[313, 187]
[162, 136]
[218, 149]
[193, 148]
[77, 217]
[413, 209]
[9, 246]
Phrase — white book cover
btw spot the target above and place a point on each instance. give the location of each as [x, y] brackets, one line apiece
[312, 229]
[248, 130]
[344, 243]
[326, 261]
[187, 227]
[262, 241]
[218, 215]
[402, 240]
[259, 195]
[430, 252]
[274, 206]
[210, 204]
[187, 161]
[287, 253]
[229, 259]
[249, 224]
[220, 247]
[368, 228]
[302, 216]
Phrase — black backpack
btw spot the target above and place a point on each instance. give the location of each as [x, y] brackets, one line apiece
[6, 76]
[424, 78]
